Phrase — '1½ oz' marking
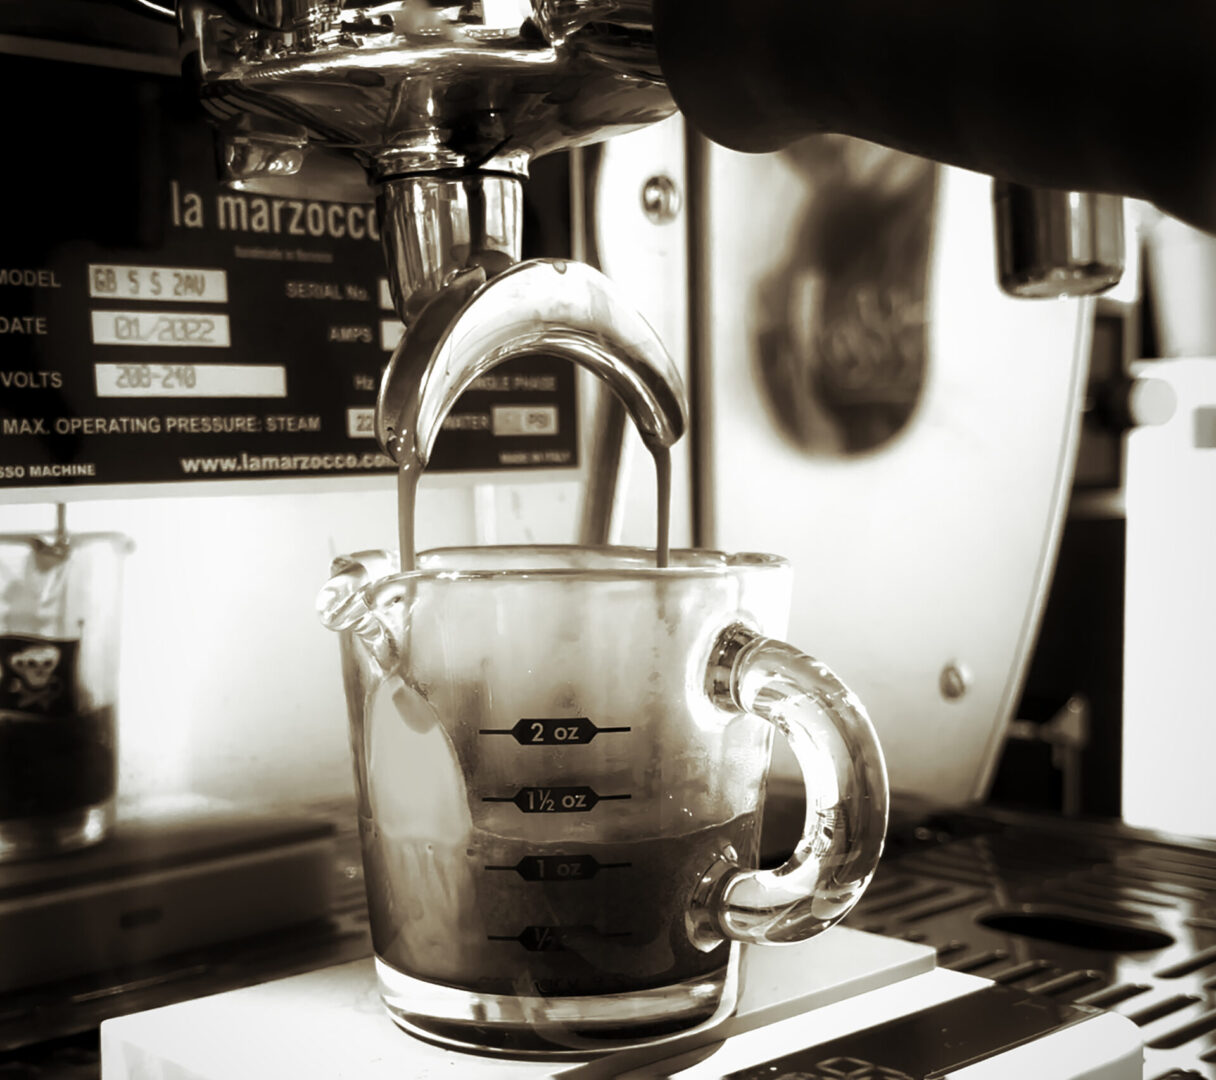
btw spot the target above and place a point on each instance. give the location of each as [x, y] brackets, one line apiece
[558, 800]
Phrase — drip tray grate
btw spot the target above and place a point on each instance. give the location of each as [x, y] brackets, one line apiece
[1092, 914]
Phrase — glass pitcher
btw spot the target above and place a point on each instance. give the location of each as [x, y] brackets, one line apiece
[560, 756]
[60, 600]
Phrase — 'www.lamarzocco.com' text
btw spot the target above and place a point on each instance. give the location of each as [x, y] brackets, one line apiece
[285, 463]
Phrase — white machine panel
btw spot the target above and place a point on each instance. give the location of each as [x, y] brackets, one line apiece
[920, 563]
[1168, 677]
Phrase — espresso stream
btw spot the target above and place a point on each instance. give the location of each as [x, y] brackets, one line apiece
[410, 472]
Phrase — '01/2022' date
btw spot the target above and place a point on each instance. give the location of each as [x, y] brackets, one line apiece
[166, 329]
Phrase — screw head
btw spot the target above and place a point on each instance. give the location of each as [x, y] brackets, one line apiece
[954, 681]
[661, 200]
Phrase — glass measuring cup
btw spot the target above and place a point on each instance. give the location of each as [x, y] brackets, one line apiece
[60, 602]
[560, 756]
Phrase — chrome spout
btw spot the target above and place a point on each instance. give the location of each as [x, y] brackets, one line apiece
[437, 227]
[1056, 243]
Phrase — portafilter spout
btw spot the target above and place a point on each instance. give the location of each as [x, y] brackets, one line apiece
[435, 227]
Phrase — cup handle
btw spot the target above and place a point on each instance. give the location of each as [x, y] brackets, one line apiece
[846, 797]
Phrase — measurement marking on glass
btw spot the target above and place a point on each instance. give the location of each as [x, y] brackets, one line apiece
[562, 800]
[564, 731]
[560, 867]
[534, 938]
[550, 938]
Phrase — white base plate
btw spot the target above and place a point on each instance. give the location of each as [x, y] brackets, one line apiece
[1095, 1046]
[330, 1023]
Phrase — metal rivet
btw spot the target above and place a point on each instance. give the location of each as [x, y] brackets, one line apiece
[660, 199]
[954, 681]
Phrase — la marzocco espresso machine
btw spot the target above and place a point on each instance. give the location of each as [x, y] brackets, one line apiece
[445, 107]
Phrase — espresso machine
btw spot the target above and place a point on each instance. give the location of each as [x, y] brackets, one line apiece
[445, 109]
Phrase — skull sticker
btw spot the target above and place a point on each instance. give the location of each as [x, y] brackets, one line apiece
[36, 664]
[34, 679]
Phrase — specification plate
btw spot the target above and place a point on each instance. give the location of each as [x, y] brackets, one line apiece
[157, 327]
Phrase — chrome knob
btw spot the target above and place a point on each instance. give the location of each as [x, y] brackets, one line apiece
[1057, 243]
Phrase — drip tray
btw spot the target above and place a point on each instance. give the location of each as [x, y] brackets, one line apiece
[1079, 912]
